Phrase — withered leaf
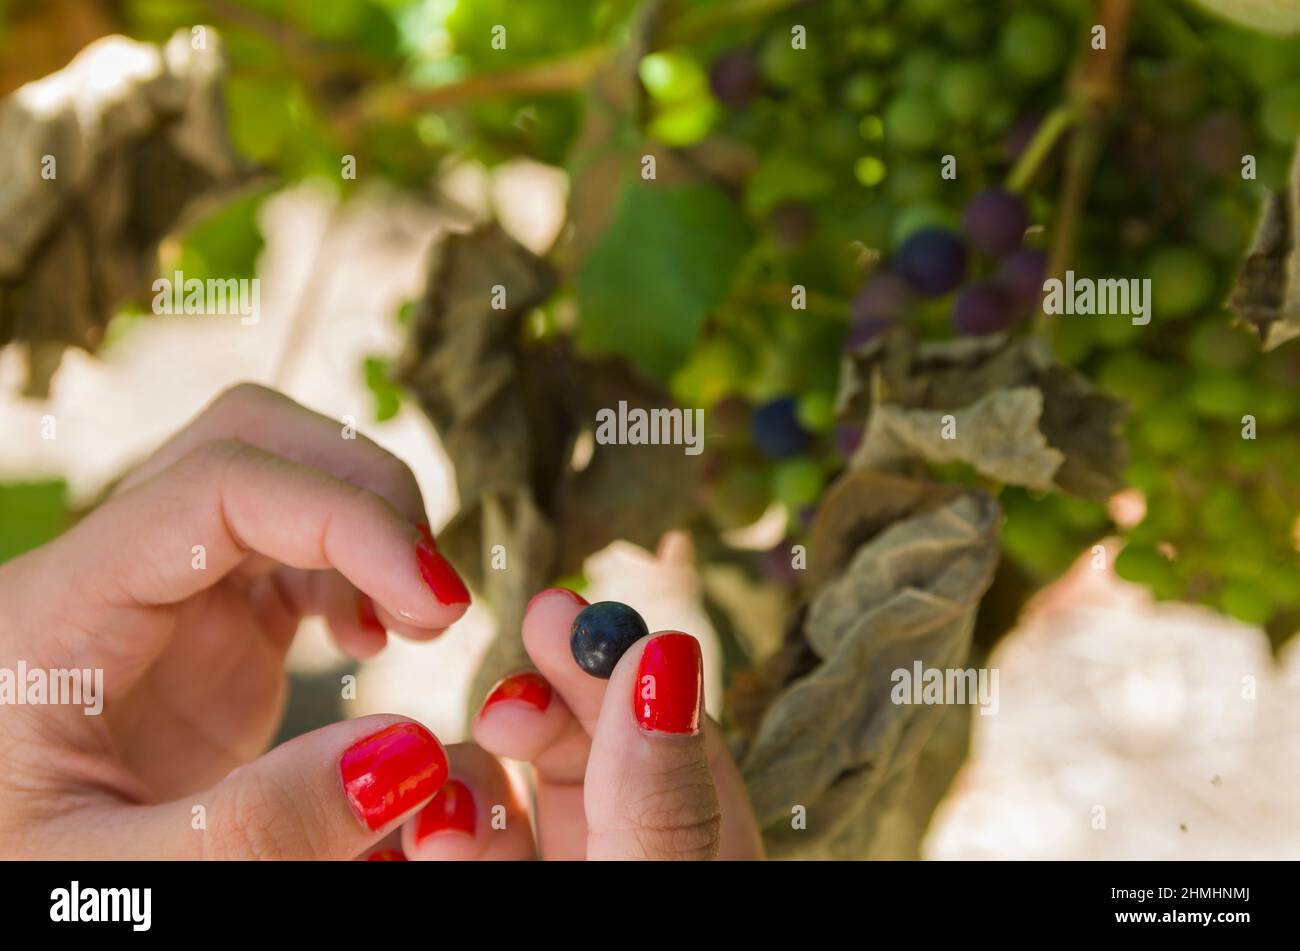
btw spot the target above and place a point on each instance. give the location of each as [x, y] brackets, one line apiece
[833, 741]
[1266, 293]
[998, 435]
[133, 160]
[1076, 419]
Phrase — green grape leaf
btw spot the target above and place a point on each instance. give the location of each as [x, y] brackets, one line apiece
[667, 260]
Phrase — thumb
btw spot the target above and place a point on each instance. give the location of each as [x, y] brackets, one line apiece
[328, 794]
[649, 792]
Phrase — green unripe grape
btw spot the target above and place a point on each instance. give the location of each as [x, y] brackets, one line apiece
[921, 68]
[912, 122]
[1279, 114]
[1246, 602]
[1219, 394]
[914, 181]
[797, 482]
[862, 92]
[967, 89]
[913, 218]
[1183, 280]
[1133, 378]
[966, 27]
[1282, 578]
[1032, 45]
[784, 66]
[1143, 564]
[719, 365]
[741, 497]
[816, 411]
[1145, 474]
[672, 77]
[1218, 346]
[1167, 429]
[1222, 227]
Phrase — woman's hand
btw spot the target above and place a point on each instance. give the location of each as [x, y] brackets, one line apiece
[185, 589]
[627, 768]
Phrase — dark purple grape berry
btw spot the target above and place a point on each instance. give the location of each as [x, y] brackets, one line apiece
[884, 295]
[984, 307]
[932, 261]
[876, 307]
[735, 77]
[602, 633]
[995, 220]
[792, 223]
[1021, 273]
[776, 430]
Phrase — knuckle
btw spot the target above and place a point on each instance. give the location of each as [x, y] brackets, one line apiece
[257, 819]
[241, 398]
[679, 817]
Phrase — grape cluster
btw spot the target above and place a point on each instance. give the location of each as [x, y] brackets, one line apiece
[852, 136]
[935, 261]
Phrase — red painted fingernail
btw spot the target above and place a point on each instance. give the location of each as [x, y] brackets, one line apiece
[668, 682]
[391, 772]
[452, 810]
[387, 855]
[528, 687]
[366, 614]
[437, 571]
[572, 595]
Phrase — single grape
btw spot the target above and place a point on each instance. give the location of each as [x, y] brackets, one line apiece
[1182, 280]
[734, 77]
[911, 121]
[932, 261]
[816, 411]
[1032, 46]
[776, 430]
[1022, 272]
[967, 89]
[995, 221]
[797, 482]
[884, 295]
[984, 307]
[602, 633]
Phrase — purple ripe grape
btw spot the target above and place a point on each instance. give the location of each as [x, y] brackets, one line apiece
[932, 261]
[735, 77]
[1021, 273]
[996, 221]
[984, 307]
[776, 430]
[876, 307]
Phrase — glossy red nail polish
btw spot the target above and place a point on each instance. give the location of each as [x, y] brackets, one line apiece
[387, 855]
[452, 810]
[669, 679]
[366, 614]
[572, 595]
[392, 771]
[437, 571]
[527, 687]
